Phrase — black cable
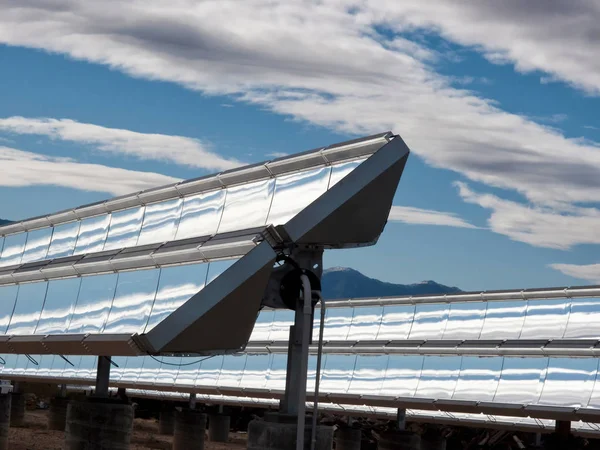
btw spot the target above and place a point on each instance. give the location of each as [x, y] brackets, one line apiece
[33, 361]
[63, 357]
[2, 360]
[111, 361]
[181, 365]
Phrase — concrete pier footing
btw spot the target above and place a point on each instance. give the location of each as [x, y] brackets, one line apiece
[166, 422]
[218, 427]
[399, 440]
[347, 439]
[98, 424]
[190, 429]
[433, 443]
[57, 416]
[274, 435]
[17, 409]
[5, 402]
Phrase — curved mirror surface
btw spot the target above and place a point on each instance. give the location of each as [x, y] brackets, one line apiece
[402, 375]
[296, 191]
[216, 268]
[37, 245]
[160, 222]
[584, 311]
[176, 285]
[169, 368]
[232, 370]
[92, 234]
[546, 319]
[429, 321]
[148, 375]
[438, 377]
[14, 244]
[187, 373]
[521, 380]
[247, 206]
[478, 379]
[124, 229]
[396, 322]
[63, 240]
[368, 375]
[337, 372]
[209, 371]
[569, 381]
[365, 323]
[340, 170]
[133, 301]
[93, 303]
[277, 372]
[27, 309]
[256, 371]
[59, 306]
[465, 320]
[263, 325]
[201, 214]
[504, 320]
[8, 297]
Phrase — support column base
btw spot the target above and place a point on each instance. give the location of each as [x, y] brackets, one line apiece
[5, 402]
[98, 424]
[347, 439]
[57, 417]
[218, 427]
[190, 429]
[398, 440]
[166, 422]
[17, 409]
[433, 443]
[263, 435]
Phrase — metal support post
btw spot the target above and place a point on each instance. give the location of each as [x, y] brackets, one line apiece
[306, 333]
[401, 419]
[63, 390]
[313, 437]
[103, 376]
[193, 401]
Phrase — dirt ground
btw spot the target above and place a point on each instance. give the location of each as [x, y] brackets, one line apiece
[36, 436]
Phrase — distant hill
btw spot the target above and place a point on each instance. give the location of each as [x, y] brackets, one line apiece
[343, 282]
[4, 222]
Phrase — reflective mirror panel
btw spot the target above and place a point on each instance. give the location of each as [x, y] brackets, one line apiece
[337, 324]
[337, 372]
[584, 311]
[58, 365]
[478, 379]
[209, 372]
[8, 297]
[27, 309]
[296, 191]
[149, 372]
[124, 229]
[465, 320]
[133, 301]
[365, 323]
[14, 245]
[216, 268]
[247, 206]
[439, 377]
[521, 380]
[340, 170]
[232, 370]
[201, 214]
[116, 372]
[546, 319]
[37, 245]
[369, 374]
[282, 321]
[169, 368]
[402, 375]
[429, 322]
[256, 371]
[59, 306]
[63, 240]
[187, 373]
[44, 368]
[263, 325]
[396, 322]
[277, 372]
[504, 320]
[133, 368]
[92, 234]
[93, 303]
[160, 222]
[569, 381]
[176, 286]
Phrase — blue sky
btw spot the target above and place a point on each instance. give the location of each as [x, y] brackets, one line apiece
[499, 110]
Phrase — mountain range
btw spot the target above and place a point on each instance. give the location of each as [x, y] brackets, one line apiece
[4, 222]
[343, 282]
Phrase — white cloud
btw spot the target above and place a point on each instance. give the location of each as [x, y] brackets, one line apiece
[418, 216]
[588, 272]
[177, 149]
[276, 154]
[538, 226]
[21, 168]
[326, 62]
